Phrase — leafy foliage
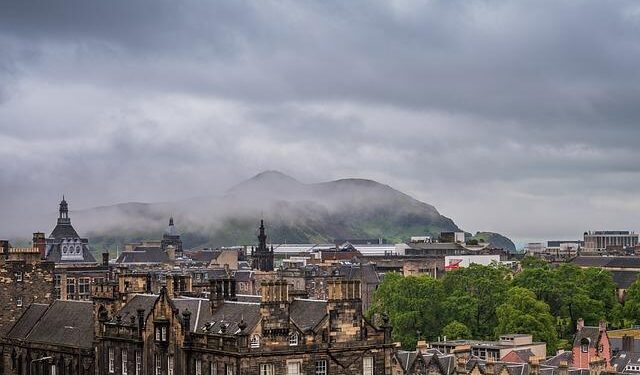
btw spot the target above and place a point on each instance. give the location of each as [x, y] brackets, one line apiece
[482, 302]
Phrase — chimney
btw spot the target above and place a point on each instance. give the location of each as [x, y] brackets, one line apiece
[186, 325]
[627, 343]
[147, 285]
[105, 259]
[461, 366]
[344, 308]
[579, 325]
[215, 294]
[563, 368]
[274, 308]
[534, 366]
[602, 326]
[596, 366]
[489, 366]
[4, 247]
[140, 313]
[39, 243]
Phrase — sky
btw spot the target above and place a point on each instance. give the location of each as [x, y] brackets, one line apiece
[520, 117]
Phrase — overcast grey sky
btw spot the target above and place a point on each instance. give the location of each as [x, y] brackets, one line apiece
[521, 117]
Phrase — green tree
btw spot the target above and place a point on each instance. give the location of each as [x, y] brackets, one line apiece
[530, 261]
[523, 313]
[631, 310]
[456, 330]
[485, 287]
[413, 304]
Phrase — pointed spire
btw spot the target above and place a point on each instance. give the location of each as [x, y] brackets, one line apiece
[171, 221]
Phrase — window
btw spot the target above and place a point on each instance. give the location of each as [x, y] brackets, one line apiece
[158, 365]
[157, 333]
[56, 286]
[19, 276]
[164, 333]
[293, 368]
[53, 369]
[112, 361]
[266, 369]
[138, 363]
[84, 287]
[123, 356]
[170, 365]
[584, 345]
[367, 366]
[293, 339]
[71, 288]
[213, 369]
[19, 301]
[321, 367]
[198, 367]
[255, 341]
[228, 369]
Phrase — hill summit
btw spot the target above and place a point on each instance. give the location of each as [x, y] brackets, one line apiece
[295, 212]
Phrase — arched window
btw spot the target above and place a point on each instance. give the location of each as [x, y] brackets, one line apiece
[255, 341]
[78, 249]
[64, 249]
[584, 345]
[293, 339]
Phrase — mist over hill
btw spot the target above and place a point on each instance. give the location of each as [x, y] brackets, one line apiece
[294, 212]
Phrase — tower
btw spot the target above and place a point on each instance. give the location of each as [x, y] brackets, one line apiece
[171, 237]
[262, 256]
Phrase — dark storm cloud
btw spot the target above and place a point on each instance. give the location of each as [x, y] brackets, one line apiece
[487, 109]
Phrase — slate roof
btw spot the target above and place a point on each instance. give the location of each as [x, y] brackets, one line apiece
[610, 262]
[229, 315]
[365, 272]
[620, 361]
[555, 360]
[25, 323]
[54, 254]
[65, 323]
[144, 254]
[244, 275]
[522, 355]
[63, 230]
[139, 301]
[624, 279]
[205, 256]
[307, 313]
[590, 333]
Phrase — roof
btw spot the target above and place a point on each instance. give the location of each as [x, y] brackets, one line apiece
[25, 323]
[64, 323]
[64, 230]
[138, 301]
[229, 315]
[624, 279]
[610, 262]
[144, 254]
[306, 313]
[205, 256]
[519, 356]
[366, 272]
[55, 255]
[590, 333]
[555, 360]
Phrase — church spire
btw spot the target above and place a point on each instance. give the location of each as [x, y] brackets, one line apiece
[262, 257]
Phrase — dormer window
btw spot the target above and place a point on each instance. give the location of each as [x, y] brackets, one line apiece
[254, 342]
[161, 328]
[19, 276]
[584, 345]
[293, 339]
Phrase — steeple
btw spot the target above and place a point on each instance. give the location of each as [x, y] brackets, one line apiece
[262, 237]
[262, 256]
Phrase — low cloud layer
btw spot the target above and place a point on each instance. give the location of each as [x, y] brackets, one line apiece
[520, 117]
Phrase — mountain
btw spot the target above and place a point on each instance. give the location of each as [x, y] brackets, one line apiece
[294, 212]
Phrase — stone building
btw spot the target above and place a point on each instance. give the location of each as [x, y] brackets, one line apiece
[24, 279]
[229, 334]
[64, 246]
[51, 339]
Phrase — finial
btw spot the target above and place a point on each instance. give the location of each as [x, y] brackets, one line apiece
[171, 220]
